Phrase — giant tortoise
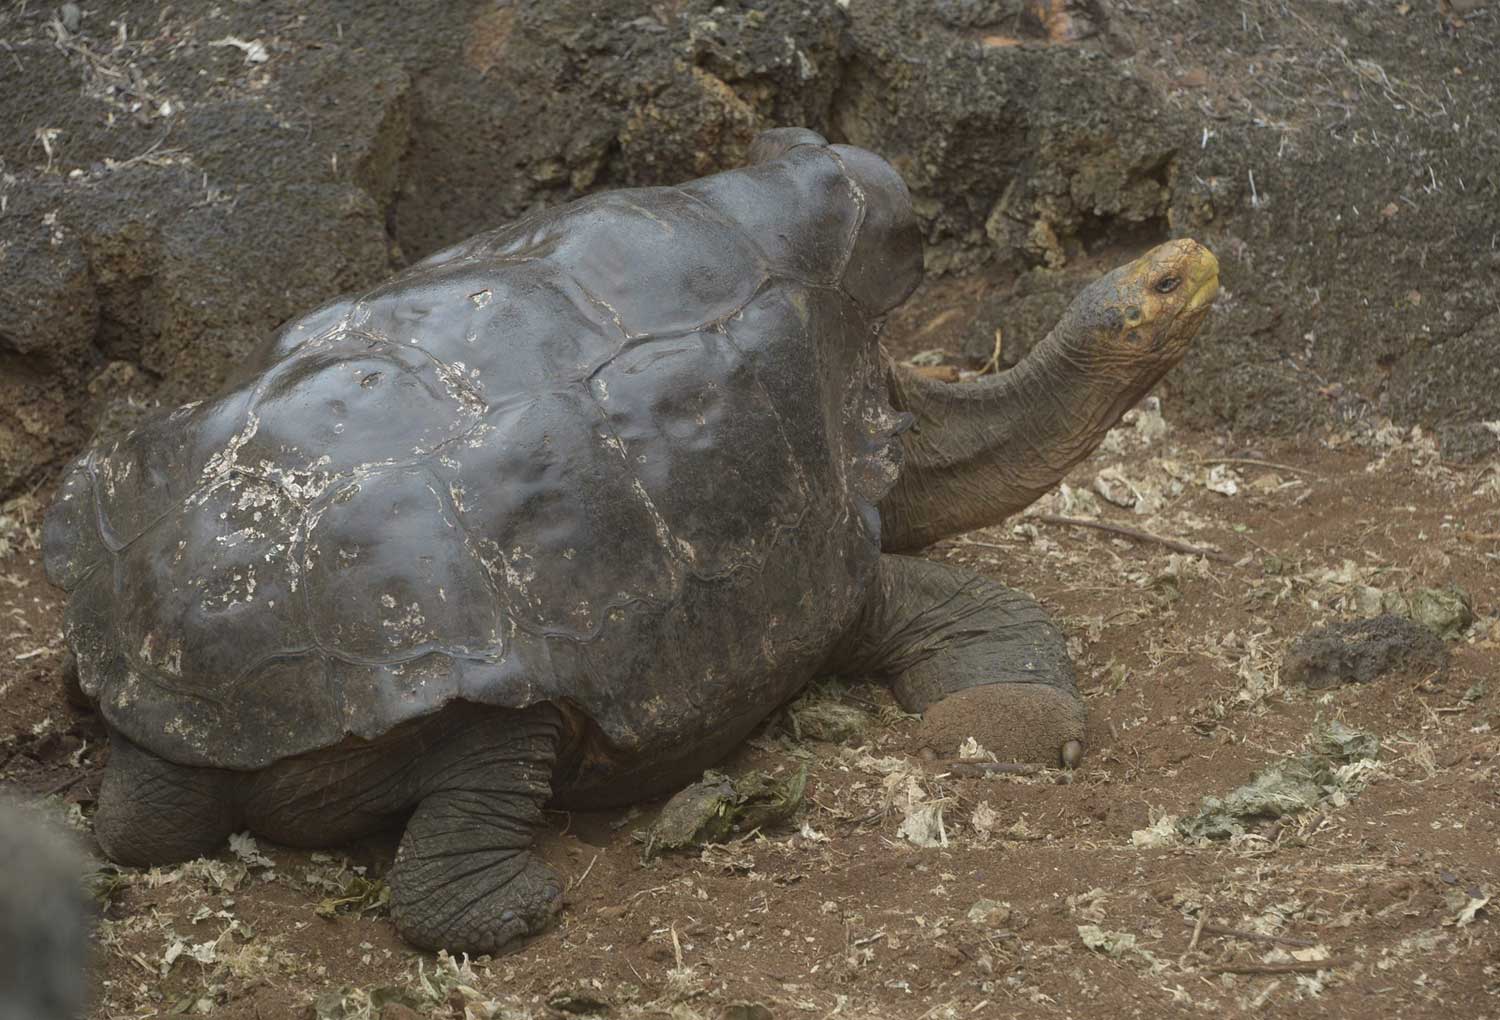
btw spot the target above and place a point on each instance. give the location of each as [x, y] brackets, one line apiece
[560, 513]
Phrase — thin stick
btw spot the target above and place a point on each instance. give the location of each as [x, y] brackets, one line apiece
[1253, 936]
[989, 768]
[1193, 942]
[1197, 933]
[993, 365]
[1259, 463]
[575, 885]
[960, 542]
[1135, 533]
[856, 823]
[1289, 967]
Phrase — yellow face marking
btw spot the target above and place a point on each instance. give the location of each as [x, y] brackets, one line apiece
[1194, 269]
[1204, 280]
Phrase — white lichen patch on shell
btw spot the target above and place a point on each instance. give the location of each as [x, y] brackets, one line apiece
[409, 629]
[461, 387]
[224, 461]
[226, 593]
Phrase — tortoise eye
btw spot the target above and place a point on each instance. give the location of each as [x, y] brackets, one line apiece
[1167, 284]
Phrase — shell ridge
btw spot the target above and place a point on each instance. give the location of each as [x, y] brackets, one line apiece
[778, 528]
[107, 533]
[860, 203]
[719, 215]
[663, 530]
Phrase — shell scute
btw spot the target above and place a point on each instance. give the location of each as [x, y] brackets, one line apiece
[702, 267]
[391, 574]
[564, 525]
[689, 411]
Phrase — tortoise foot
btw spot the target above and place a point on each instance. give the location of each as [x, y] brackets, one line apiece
[1015, 721]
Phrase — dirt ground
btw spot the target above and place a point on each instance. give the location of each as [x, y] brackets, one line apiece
[1048, 893]
[1055, 895]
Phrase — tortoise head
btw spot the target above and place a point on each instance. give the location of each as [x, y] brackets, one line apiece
[1137, 321]
[986, 449]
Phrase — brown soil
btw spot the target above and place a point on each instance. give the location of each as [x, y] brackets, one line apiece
[1179, 658]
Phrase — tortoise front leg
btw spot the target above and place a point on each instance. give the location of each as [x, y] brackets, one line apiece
[152, 811]
[465, 878]
[976, 658]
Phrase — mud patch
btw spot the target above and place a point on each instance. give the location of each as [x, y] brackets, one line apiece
[1362, 651]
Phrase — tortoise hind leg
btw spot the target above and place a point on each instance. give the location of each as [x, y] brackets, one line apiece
[153, 811]
[976, 658]
[465, 877]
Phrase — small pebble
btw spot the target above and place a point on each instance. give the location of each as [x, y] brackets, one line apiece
[71, 17]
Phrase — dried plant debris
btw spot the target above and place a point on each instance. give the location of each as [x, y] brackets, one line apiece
[20, 525]
[1331, 770]
[445, 984]
[1447, 612]
[359, 896]
[821, 714]
[746, 1011]
[347, 888]
[923, 824]
[1359, 651]
[1467, 904]
[717, 807]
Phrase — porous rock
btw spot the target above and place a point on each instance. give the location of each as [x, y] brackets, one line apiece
[1359, 651]
[152, 234]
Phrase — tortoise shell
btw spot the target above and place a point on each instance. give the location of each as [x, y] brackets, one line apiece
[623, 454]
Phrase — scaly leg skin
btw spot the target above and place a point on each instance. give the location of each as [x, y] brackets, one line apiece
[976, 658]
[72, 688]
[465, 878]
[152, 811]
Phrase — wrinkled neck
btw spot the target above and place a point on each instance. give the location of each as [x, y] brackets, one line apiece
[984, 450]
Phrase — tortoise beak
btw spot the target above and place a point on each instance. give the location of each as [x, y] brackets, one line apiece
[1202, 278]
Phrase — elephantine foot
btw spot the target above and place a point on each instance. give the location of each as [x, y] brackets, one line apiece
[152, 811]
[466, 878]
[1014, 721]
[492, 908]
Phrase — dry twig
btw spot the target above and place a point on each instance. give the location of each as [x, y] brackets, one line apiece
[1286, 967]
[1140, 536]
[1252, 462]
[1197, 934]
[580, 880]
[1202, 928]
[990, 768]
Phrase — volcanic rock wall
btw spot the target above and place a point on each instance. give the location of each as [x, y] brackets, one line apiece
[176, 181]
